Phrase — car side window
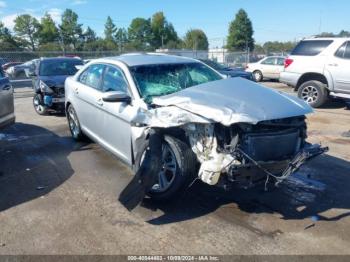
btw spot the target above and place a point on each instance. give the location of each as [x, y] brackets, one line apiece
[347, 51]
[341, 50]
[114, 80]
[280, 61]
[269, 61]
[92, 76]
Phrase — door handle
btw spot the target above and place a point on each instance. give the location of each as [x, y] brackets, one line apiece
[6, 87]
[333, 64]
[99, 102]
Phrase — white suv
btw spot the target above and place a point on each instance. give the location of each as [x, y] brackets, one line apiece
[318, 68]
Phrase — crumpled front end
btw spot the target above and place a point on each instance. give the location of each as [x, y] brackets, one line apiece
[246, 153]
[236, 128]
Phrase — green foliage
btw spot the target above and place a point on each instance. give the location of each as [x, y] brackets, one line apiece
[121, 37]
[70, 30]
[240, 35]
[27, 27]
[342, 33]
[7, 41]
[110, 30]
[53, 46]
[89, 35]
[275, 46]
[162, 31]
[196, 39]
[48, 31]
[139, 34]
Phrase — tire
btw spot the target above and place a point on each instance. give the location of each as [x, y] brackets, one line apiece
[258, 76]
[74, 124]
[314, 93]
[39, 106]
[185, 162]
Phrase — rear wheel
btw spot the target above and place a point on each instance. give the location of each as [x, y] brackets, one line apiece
[178, 164]
[313, 92]
[258, 76]
[38, 104]
[74, 124]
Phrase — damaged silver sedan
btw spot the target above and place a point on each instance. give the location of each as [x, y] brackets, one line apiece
[221, 131]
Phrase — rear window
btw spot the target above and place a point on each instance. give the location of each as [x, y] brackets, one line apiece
[311, 48]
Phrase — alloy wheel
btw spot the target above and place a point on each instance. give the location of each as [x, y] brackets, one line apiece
[37, 104]
[73, 122]
[168, 171]
[309, 94]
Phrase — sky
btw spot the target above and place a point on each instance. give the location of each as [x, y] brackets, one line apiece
[273, 20]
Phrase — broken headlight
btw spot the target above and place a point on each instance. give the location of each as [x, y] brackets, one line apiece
[45, 88]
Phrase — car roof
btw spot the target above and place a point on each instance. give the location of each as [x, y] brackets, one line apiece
[137, 59]
[58, 58]
[326, 38]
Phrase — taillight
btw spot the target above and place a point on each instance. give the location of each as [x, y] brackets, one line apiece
[287, 62]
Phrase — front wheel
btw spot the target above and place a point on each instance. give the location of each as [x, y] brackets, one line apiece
[39, 106]
[178, 164]
[313, 92]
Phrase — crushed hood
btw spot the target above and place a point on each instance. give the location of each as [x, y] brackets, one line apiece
[227, 102]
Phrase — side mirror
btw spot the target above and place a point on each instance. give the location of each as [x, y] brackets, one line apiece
[116, 96]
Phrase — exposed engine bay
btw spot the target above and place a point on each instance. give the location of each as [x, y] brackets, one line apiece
[246, 152]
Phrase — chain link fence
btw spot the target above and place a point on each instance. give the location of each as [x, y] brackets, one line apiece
[222, 56]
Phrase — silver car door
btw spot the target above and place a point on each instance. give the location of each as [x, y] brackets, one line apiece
[339, 68]
[116, 116]
[88, 99]
[7, 115]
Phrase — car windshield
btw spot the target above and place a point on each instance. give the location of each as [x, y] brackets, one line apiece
[59, 67]
[164, 79]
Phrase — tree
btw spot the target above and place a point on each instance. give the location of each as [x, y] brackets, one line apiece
[70, 30]
[162, 31]
[240, 35]
[110, 29]
[278, 47]
[7, 42]
[27, 27]
[89, 35]
[121, 37]
[48, 32]
[196, 39]
[139, 34]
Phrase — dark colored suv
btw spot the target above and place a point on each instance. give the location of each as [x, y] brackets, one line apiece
[48, 82]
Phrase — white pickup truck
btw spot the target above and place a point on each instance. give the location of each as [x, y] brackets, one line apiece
[318, 68]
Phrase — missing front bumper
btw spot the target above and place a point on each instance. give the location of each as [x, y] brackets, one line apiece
[256, 171]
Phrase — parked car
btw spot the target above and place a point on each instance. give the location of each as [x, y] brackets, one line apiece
[9, 64]
[7, 115]
[227, 71]
[22, 70]
[48, 82]
[223, 131]
[318, 68]
[267, 68]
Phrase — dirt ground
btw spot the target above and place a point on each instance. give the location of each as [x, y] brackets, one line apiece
[60, 197]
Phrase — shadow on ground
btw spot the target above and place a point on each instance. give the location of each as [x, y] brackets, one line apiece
[34, 161]
[320, 186]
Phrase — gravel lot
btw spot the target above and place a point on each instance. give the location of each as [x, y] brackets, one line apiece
[60, 197]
